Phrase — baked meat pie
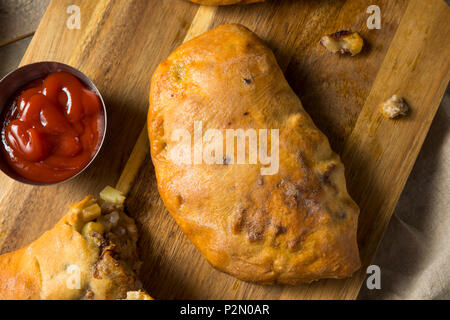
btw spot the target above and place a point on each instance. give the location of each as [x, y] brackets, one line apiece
[89, 254]
[286, 222]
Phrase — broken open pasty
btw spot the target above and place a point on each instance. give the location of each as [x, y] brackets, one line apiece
[224, 2]
[285, 218]
[89, 254]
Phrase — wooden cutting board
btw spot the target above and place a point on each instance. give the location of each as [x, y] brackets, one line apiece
[121, 42]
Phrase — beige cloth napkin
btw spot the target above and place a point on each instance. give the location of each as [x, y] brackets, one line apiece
[414, 256]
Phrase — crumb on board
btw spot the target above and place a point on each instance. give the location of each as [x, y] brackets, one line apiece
[394, 107]
[343, 42]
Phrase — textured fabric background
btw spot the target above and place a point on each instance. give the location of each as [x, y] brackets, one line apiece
[414, 255]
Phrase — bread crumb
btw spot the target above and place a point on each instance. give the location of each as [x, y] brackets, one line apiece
[394, 107]
[343, 42]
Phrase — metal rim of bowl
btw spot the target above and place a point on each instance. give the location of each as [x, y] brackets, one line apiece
[23, 75]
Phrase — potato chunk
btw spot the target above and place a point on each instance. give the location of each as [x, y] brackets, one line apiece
[92, 212]
[91, 227]
[112, 195]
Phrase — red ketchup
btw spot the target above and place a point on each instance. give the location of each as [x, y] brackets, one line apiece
[52, 128]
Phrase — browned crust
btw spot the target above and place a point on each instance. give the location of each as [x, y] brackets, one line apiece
[298, 225]
[39, 271]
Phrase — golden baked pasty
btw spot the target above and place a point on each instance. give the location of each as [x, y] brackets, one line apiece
[224, 2]
[90, 254]
[296, 225]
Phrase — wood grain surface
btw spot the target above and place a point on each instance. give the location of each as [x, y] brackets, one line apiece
[11, 54]
[119, 46]
[19, 18]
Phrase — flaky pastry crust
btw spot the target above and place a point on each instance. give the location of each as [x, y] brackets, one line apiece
[295, 226]
[89, 254]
